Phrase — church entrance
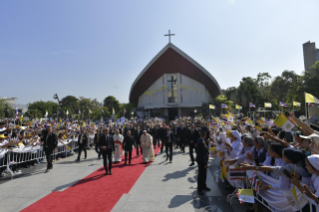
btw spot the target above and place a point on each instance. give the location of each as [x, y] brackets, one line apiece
[172, 113]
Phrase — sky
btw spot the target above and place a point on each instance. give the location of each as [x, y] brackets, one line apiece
[97, 48]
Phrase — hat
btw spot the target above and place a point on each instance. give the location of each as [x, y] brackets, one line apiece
[313, 135]
[2, 136]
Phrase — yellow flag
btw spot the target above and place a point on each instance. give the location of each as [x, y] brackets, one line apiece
[187, 87]
[160, 88]
[164, 87]
[284, 122]
[238, 107]
[197, 90]
[296, 104]
[268, 105]
[311, 99]
[182, 86]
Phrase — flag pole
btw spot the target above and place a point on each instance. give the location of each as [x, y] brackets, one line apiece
[306, 106]
[293, 107]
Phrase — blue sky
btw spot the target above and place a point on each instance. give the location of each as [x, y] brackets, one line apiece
[97, 48]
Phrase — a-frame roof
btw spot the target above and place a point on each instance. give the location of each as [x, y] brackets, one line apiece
[172, 60]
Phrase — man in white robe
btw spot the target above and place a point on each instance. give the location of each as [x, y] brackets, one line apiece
[118, 140]
[147, 145]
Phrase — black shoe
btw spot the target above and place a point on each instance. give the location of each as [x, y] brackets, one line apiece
[200, 193]
[110, 173]
[46, 171]
[77, 160]
[166, 158]
[106, 173]
[192, 164]
[125, 164]
[206, 189]
[170, 162]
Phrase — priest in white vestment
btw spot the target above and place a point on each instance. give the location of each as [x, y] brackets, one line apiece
[147, 145]
[118, 140]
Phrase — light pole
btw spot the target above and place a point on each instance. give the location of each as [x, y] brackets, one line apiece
[132, 114]
[195, 111]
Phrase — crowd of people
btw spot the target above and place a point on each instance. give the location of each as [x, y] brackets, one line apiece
[267, 151]
[291, 157]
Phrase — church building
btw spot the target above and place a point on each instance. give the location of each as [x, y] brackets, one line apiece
[171, 85]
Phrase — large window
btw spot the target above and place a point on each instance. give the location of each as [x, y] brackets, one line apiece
[172, 88]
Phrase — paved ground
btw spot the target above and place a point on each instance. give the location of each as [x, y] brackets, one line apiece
[28, 188]
[162, 187]
[172, 187]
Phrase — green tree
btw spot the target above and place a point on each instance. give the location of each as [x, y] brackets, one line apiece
[70, 103]
[41, 107]
[111, 102]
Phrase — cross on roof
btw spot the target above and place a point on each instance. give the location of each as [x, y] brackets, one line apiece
[169, 35]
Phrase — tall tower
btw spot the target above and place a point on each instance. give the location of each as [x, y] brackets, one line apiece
[310, 54]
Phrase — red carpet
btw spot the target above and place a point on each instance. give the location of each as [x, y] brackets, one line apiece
[95, 192]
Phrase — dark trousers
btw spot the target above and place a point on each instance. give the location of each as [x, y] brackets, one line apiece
[107, 155]
[49, 157]
[201, 178]
[138, 146]
[163, 144]
[97, 151]
[182, 144]
[154, 142]
[81, 147]
[191, 150]
[129, 153]
[169, 147]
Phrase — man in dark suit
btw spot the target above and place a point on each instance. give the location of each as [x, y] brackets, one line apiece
[50, 143]
[107, 147]
[202, 161]
[97, 137]
[183, 137]
[193, 136]
[177, 132]
[83, 143]
[163, 137]
[138, 134]
[169, 144]
[127, 144]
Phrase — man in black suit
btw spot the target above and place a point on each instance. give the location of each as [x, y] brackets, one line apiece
[202, 161]
[193, 136]
[138, 134]
[177, 132]
[127, 144]
[83, 143]
[107, 147]
[169, 144]
[163, 137]
[97, 137]
[50, 143]
[183, 137]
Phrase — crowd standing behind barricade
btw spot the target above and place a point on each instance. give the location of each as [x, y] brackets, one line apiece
[277, 161]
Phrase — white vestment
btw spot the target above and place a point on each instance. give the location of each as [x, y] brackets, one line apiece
[118, 140]
[147, 145]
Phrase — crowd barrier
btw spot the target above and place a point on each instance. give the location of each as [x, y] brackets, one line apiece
[12, 159]
[276, 201]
